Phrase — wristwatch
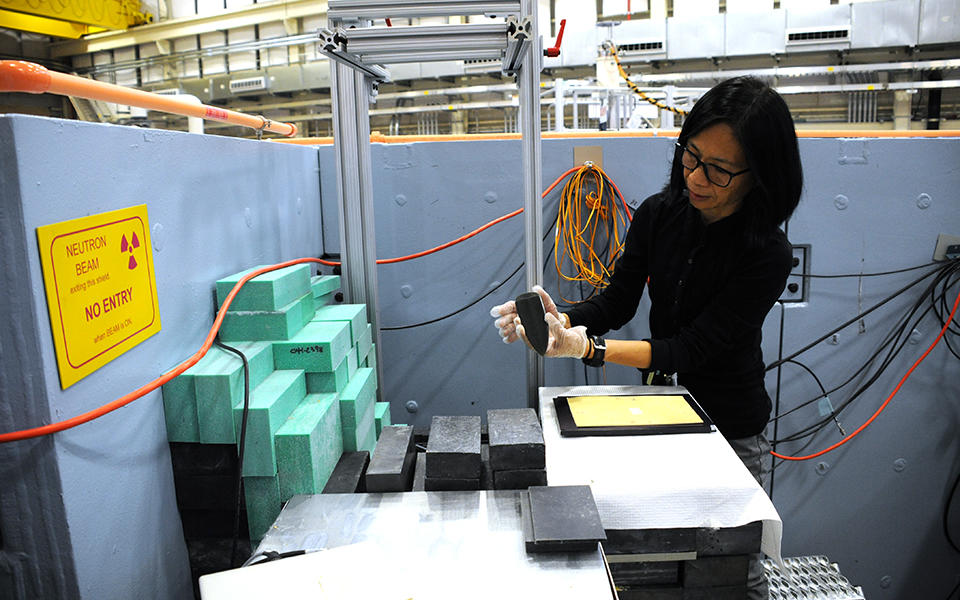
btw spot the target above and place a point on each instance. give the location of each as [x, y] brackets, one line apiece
[599, 350]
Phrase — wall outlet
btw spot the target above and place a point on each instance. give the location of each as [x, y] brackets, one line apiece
[798, 286]
[944, 241]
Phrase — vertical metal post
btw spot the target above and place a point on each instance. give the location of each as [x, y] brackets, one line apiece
[558, 104]
[529, 115]
[350, 91]
[666, 117]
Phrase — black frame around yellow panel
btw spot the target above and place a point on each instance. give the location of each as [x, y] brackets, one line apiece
[570, 428]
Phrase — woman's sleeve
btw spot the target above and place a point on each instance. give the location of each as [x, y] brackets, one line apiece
[735, 314]
[616, 304]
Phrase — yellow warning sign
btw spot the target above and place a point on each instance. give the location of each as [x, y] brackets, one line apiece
[101, 288]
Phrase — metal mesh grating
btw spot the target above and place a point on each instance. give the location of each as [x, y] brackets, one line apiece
[808, 578]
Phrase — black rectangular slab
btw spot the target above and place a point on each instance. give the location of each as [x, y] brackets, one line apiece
[519, 479]
[486, 474]
[442, 484]
[347, 476]
[391, 466]
[650, 541]
[562, 518]
[715, 571]
[655, 592]
[420, 472]
[453, 449]
[516, 439]
[730, 540]
[645, 573]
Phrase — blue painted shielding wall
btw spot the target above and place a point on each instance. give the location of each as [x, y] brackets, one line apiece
[216, 206]
[878, 505]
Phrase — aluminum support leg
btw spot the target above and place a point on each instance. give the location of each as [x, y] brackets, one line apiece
[350, 92]
[529, 115]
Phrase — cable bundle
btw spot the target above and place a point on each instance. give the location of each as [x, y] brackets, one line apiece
[945, 276]
[589, 222]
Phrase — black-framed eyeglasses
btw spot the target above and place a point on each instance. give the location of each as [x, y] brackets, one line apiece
[718, 176]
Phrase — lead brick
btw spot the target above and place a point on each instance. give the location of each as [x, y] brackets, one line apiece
[347, 476]
[715, 571]
[391, 465]
[453, 448]
[519, 479]
[516, 439]
[448, 484]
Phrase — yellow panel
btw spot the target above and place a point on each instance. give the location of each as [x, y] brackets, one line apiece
[45, 26]
[109, 14]
[101, 289]
[605, 411]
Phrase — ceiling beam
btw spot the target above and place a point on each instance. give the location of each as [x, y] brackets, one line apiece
[255, 14]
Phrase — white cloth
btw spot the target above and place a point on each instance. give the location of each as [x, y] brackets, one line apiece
[658, 481]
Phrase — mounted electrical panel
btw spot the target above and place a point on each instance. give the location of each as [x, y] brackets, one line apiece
[798, 285]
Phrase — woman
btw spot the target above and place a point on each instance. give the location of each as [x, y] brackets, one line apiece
[716, 259]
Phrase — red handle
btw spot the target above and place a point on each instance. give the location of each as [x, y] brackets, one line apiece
[555, 50]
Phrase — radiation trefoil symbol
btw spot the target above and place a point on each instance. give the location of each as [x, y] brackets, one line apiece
[130, 247]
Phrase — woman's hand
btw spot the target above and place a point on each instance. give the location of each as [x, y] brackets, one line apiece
[564, 342]
[506, 317]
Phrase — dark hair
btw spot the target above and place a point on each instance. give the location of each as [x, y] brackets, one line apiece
[762, 124]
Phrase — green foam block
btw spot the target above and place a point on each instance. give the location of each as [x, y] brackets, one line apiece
[180, 409]
[365, 342]
[281, 324]
[218, 381]
[354, 314]
[267, 292]
[361, 392]
[372, 358]
[381, 413]
[270, 404]
[309, 445]
[262, 495]
[324, 284]
[332, 381]
[319, 346]
[363, 436]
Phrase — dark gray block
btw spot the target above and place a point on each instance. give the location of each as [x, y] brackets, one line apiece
[519, 479]
[453, 449]
[391, 465]
[561, 518]
[730, 540]
[486, 474]
[645, 573]
[442, 484]
[727, 592]
[347, 476]
[651, 593]
[516, 439]
[650, 541]
[715, 571]
[420, 472]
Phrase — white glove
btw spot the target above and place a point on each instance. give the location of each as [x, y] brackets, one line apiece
[549, 306]
[505, 314]
[563, 342]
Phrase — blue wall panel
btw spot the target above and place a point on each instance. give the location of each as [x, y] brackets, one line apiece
[875, 504]
[216, 206]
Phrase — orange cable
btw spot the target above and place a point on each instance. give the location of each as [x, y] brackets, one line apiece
[211, 336]
[887, 401]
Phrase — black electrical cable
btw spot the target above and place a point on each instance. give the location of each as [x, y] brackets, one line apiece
[892, 339]
[812, 276]
[243, 440]
[775, 364]
[946, 516]
[272, 555]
